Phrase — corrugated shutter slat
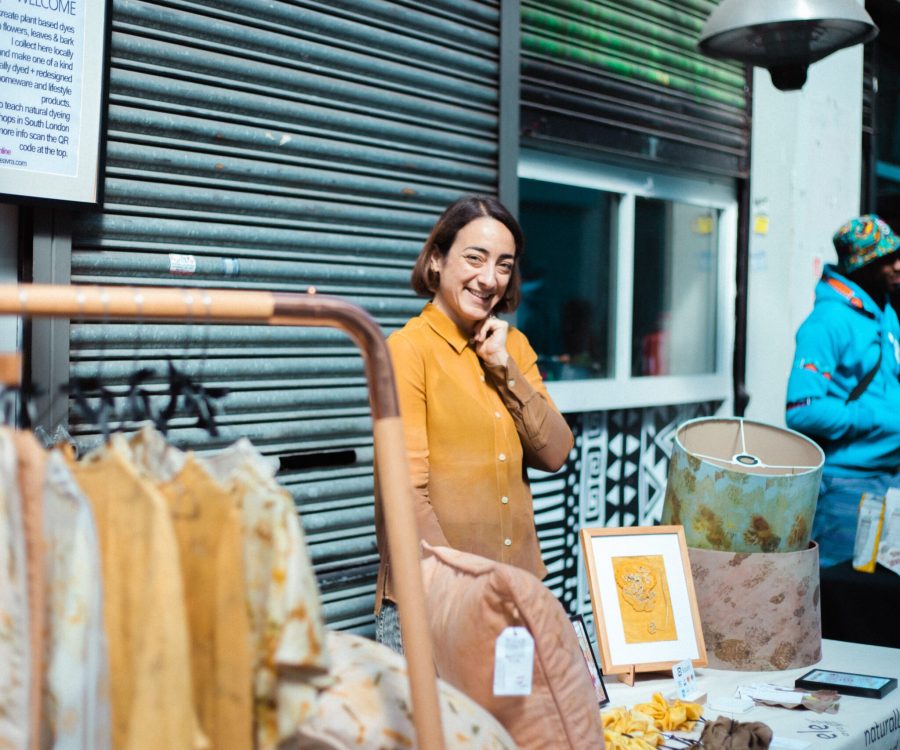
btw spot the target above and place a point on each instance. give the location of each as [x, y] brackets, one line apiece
[626, 78]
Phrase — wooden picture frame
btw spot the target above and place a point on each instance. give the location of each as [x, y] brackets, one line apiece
[590, 659]
[642, 596]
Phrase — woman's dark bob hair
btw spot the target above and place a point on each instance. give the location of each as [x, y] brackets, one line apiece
[458, 214]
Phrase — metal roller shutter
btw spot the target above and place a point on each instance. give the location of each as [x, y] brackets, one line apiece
[286, 145]
[625, 77]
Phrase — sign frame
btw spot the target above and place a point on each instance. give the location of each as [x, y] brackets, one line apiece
[21, 185]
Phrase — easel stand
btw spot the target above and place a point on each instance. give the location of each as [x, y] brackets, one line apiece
[627, 676]
[631, 671]
[282, 309]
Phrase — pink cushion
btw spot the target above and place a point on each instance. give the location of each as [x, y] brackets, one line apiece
[470, 600]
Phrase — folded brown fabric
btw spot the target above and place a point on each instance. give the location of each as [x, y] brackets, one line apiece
[728, 734]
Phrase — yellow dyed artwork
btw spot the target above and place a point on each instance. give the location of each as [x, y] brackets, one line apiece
[644, 599]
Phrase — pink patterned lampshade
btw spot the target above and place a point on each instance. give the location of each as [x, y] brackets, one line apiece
[760, 611]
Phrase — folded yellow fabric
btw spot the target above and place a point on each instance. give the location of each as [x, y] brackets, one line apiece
[626, 730]
[670, 717]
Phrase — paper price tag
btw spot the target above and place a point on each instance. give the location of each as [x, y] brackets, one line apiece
[685, 679]
[513, 662]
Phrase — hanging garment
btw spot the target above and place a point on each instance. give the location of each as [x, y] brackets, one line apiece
[207, 524]
[143, 605]
[76, 710]
[288, 632]
[30, 461]
[15, 646]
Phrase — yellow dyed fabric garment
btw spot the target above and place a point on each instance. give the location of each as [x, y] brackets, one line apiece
[470, 432]
[143, 606]
[208, 529]
[291, 662]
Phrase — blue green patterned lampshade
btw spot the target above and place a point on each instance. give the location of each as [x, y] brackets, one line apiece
[742, 486]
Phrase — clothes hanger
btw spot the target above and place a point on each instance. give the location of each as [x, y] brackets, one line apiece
[139, 404]
[95, 402]
[195, 398]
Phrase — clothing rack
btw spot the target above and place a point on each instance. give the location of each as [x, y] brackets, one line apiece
[202, 306]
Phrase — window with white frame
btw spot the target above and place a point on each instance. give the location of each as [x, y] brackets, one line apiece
[627, 283]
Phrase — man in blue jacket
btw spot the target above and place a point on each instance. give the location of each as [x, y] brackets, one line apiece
[843, 389]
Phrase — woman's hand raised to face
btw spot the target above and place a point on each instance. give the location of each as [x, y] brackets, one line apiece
[489, 340]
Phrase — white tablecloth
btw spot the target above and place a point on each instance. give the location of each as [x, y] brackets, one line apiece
[860, 723]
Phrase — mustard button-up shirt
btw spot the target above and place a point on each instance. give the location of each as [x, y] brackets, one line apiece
[471, 430]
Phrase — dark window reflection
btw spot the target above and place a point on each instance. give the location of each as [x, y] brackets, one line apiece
[675, 288]
[566, 273]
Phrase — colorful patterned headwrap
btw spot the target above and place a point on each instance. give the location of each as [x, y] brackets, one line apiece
[862, 240]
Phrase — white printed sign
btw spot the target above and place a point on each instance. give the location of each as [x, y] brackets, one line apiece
[51, 74]
[685, 679]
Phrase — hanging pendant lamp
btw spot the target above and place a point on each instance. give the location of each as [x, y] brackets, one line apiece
[784, 36]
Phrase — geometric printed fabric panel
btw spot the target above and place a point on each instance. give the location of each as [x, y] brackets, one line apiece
[615, 476]
[556, 512]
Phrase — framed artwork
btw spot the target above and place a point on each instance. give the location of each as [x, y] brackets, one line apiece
[590, 659]
[642, 595]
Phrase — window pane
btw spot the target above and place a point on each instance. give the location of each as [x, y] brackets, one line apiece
[675, 286]
[566, 272]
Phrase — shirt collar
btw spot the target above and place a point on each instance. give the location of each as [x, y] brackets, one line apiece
[445, 328]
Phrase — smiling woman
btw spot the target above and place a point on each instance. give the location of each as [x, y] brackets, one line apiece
[475, 272]
[475, 411]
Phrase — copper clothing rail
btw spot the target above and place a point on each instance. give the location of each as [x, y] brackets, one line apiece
[266, 308]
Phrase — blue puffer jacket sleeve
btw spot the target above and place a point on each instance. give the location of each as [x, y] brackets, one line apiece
[817, 401]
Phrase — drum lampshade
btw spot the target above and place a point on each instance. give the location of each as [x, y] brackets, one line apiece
[759, 612]
[742, 486]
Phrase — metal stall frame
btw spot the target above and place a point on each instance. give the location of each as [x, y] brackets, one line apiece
[290, 309]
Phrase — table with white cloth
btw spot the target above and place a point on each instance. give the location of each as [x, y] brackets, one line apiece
[859, 724]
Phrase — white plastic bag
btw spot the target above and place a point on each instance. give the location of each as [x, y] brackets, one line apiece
[869, 519]
[889, 546]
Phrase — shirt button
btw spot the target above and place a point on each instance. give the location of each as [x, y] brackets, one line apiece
[508, 542]
[504, 500]
[511, 383]
[502, 456]
[497, 414]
